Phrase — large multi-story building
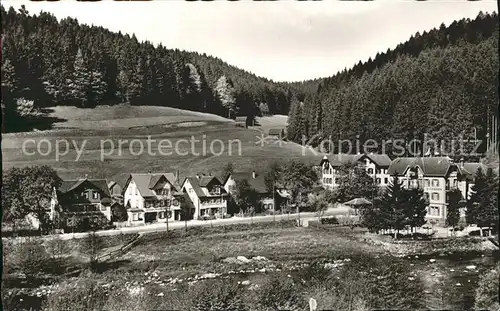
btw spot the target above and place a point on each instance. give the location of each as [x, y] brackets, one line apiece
[206, 195]
[79, 203]
[436, 176]
[376, 166]
[152, 197]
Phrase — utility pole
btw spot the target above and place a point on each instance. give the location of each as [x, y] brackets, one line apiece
[274, 203]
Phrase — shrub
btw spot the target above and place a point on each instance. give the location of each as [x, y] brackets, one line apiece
[330, 221]
[29, 257]
[487, 290]
[281, 293]
[218, 296]
[86, 296]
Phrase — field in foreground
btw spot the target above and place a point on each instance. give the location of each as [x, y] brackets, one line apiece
[268, 267]
[196, 143]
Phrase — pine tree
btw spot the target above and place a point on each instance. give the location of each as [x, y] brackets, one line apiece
[80, 81]
[453, 208]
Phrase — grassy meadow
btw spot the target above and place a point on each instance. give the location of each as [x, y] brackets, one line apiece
[265, 266]
[89, 131]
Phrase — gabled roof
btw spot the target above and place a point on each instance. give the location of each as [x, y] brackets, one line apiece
[381, 160]
[145, 182]
[200, 184]
[258, 183]
[430, 166]
[67, 186]
[337, 160]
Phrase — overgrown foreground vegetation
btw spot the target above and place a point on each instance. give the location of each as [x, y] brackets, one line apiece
[272, 266]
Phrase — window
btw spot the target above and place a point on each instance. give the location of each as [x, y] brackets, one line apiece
[103, 208]
[379, 181]
[386, 180]
[95, 195]
[435, 196]
[427, 182]
[378, 171]
[435, 182]
[426, 196]
[217, 190]
[161, 215]
[137, 203]
[135, 216]
[85, 195]
[370, 171]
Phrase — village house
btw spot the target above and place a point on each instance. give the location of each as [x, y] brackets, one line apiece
[256, 182]
[79, 203]
[375, 165]
[436, 176]
[116, 191]
[152, 197]
[206, 195]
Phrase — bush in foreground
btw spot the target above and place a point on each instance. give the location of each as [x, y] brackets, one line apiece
[487, 290]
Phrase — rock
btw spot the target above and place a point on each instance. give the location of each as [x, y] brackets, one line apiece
[416, 257]
[160, 295]
[452, 270]
[259, 258]
[263, 270]
[458, 284]
[471, 267]
[246, 283]
[243, 259]
[208, 276]
[411, 278]
[432, 260]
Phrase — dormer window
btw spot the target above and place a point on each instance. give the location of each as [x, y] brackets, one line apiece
[217, 190]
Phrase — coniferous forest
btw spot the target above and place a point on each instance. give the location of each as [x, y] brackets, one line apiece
[442, 82]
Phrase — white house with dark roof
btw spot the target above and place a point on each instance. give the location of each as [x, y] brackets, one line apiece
[256, 182]
[376, 166]
[206, 195]
[152, 197]
[436, 176]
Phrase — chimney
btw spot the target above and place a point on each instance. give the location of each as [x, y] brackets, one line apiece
[253, 174]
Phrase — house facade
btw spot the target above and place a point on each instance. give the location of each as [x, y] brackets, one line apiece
[81, 202]
[206, 195]
[152, 198]
[257, 182]
[436, 176]
[375, 165]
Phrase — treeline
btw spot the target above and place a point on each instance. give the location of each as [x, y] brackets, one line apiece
[442, 82]
[48, 63]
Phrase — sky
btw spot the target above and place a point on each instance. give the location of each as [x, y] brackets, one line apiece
[283, 40]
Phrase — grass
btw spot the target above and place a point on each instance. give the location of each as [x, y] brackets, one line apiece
[118, 165]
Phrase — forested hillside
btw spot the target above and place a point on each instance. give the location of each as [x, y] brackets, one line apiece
[51, 63]
[443, 83]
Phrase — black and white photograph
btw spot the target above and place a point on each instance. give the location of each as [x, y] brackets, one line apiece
[250, 155]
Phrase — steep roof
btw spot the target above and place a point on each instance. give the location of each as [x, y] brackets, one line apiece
[70, 185]
[342, 159]
[258, 183]
[145, 182]
[200, 184]
[430, 166]
[381, 160]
